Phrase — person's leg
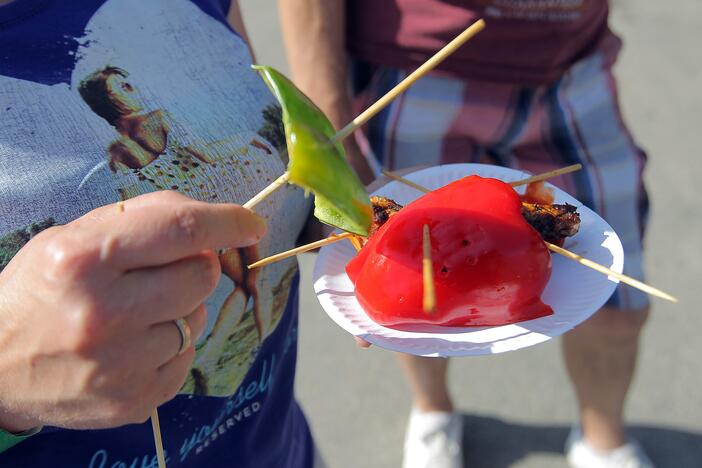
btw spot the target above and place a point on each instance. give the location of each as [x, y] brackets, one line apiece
[585, 126]
[434, 431]
[600, 356]
[428, 383]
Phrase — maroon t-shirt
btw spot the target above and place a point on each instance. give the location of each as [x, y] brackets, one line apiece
[529, 42]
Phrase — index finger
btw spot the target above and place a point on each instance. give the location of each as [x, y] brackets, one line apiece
[161, 229]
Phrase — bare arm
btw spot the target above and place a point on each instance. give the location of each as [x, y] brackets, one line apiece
[314, 32]
[236, 21]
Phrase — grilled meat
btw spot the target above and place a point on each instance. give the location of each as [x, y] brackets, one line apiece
[383, 209]
[553, 222]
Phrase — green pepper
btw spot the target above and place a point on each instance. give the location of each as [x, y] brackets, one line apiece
[316, 163]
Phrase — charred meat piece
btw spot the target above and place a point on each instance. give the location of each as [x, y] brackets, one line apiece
[553, 222]
[383, 209]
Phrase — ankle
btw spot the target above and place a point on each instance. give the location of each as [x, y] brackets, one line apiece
[441, 405]
[604, 435]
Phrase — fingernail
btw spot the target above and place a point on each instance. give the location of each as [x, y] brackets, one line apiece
[259, 226]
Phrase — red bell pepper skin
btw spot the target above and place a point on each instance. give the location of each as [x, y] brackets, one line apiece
[490, 266]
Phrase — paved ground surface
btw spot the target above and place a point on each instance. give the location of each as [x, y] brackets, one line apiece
[517, 406]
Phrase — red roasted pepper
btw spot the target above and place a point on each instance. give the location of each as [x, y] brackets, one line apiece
[490, 266]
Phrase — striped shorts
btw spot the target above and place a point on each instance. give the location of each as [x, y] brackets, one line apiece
[443, 120]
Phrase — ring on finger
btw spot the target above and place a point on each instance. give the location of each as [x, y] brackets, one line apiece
[185, 334]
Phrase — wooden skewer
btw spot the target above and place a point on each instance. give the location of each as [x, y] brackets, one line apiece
[603, 269]
[380, 104]
[547, 175]
[303, 248]
[429, 297]
[391, 175]
[275, 185]
[423, 69]
[516, 183]
[156, 426]
[408, 182]
[570, 255]
[356, 242]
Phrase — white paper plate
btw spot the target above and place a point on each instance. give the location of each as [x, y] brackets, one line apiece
[574, 292]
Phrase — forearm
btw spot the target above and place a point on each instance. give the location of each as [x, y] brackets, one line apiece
[236, 21]
[314, 33]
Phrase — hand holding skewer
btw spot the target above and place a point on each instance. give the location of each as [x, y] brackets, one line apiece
[99, 360]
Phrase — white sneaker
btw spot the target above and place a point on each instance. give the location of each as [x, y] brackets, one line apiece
[433, 440]
[580, 454]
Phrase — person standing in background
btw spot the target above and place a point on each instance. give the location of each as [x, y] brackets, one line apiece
[533, 91]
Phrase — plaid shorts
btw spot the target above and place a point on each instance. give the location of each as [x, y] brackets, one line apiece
[443, 120]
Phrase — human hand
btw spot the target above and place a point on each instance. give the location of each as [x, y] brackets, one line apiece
[87, 310]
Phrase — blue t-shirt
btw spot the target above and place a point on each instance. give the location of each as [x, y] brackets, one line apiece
[104, 100]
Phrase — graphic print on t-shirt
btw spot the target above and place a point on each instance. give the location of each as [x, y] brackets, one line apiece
[143, 114]
[534, 10]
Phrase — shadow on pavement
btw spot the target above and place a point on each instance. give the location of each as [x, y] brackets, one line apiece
[494, 443]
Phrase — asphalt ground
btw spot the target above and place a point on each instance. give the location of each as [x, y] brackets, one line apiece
[518, 406]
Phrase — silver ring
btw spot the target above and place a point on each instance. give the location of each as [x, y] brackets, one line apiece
[185, 335]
